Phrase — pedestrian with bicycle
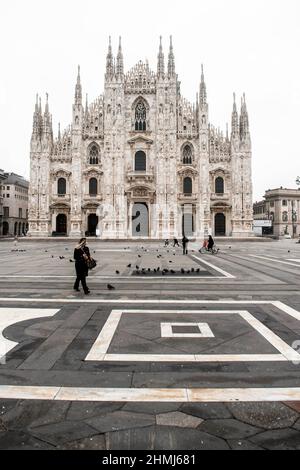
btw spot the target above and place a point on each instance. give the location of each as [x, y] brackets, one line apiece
[210, 243]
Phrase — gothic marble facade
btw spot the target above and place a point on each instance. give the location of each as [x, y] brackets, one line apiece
[140, 161]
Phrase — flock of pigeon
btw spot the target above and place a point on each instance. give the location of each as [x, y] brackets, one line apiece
[145, 271]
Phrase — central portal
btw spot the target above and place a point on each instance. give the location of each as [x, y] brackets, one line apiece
[140, 220]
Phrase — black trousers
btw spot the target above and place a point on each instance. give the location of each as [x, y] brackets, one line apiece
[81, 277]
[185, 251]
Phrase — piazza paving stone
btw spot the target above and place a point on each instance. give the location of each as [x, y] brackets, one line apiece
[297, 425]
[282, 439]
[294, 405]
[151, 407]
[228, 428]
[238, 444]
[51, 352]
[85, 410]
[164, 438]
[90, 443]
[206, 410]
[61, 433]
[18, 440]
[118, 420]
[29, 413]
[264, 415]
[178, 419]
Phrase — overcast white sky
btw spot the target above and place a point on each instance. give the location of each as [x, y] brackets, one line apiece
[246, 46]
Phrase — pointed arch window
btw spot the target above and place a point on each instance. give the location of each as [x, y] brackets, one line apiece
[93, 187]
[61, 187]
[219, 185]
[94, 155]
[140, 116]
[187, 155]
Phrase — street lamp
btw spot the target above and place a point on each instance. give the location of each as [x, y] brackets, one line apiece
[298, 181]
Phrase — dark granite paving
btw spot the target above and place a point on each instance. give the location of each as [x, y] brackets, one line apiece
[52, 351]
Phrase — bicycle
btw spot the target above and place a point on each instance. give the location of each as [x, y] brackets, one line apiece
[214, 250]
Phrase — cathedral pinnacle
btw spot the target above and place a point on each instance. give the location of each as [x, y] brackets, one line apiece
[109, 62]
[171, 61]
[160, 61]
[234, 119]
[203, 93]
[78, 89]
[120, 61]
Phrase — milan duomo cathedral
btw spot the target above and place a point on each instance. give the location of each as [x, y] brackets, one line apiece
[140, 161]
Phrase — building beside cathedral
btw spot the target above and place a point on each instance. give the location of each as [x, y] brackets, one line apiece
[140, 161]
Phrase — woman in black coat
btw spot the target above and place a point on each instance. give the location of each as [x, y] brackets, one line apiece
[210, 243]
[81, 255]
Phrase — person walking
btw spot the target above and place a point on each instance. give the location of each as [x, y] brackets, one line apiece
[210, 243]
[81, 255]
[185, 241]
[175, 243]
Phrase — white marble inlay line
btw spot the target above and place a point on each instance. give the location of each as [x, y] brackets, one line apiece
[178, 395]
[274, 260]
[216, 268]
[204, 330]
[99, 350]
[10, 316]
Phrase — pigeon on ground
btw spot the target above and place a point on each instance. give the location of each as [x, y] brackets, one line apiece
[117, 272]
[198, 270]
[170, 261]
[61, 257]
[182, 270]
[149, 270]
[71, 261]
[52, 256]
[66, 249]
[46, 251]
[139, 256]
[128, 265]
[172, 271]
[110, 287]
[137, 268]
[193, 270]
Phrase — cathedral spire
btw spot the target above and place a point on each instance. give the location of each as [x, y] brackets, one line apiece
[78, 89]
[203, 93]
[47, 118]
[120, 61]
[86, 104]
[160, 61]
[171, 61]
[59, 133]
[244, 119]
[234, 120]
[109, 62]
[36, 120]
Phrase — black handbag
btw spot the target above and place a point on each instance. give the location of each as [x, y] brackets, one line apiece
[91, 263]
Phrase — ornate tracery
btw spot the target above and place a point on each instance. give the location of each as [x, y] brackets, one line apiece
[140, 116]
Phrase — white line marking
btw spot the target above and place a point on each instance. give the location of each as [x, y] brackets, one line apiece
[115, 277]
[216, 268]
[177, 395]
[102, 343]
[10, 316]
[274, 260]
[204, 330]
[104, 339]
[289, 353]
[179, 358]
